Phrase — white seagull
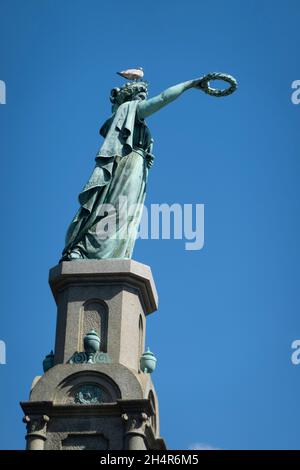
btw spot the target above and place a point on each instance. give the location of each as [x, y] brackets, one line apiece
[132, 74]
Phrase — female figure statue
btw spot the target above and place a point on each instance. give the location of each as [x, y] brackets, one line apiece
[102, 228]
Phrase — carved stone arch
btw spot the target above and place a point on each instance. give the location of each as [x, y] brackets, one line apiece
[98, 385]
[141, 338]
[153, 418]
[94, 316]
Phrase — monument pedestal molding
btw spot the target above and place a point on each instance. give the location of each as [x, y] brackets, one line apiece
[97, 398]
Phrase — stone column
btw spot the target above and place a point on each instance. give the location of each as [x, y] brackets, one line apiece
[36, 431]
[135, 430]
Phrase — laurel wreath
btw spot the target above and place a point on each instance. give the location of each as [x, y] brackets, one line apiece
[205, 86]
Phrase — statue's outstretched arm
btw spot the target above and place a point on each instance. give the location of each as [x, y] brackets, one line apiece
[148, 107]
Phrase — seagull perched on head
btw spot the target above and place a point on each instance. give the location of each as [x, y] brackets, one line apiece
[132, 74]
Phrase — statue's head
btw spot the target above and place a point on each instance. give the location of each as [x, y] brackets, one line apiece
[129, 92]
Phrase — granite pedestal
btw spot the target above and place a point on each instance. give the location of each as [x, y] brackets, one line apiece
[103, 401]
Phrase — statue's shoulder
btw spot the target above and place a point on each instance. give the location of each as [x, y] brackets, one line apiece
[126, 112]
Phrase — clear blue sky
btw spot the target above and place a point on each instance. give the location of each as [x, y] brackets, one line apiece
[229, 312]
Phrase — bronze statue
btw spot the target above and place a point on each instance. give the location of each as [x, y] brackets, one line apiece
[111, 202]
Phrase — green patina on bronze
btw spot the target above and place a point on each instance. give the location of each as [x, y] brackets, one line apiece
[91, 353]
[48, 362]
[92, 358]
[88, 394]
[121, 172]
[148, 362]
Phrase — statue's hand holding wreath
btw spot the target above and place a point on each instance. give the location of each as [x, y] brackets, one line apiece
[203, 84]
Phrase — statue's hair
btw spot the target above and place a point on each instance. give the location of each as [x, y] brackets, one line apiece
[127, 91]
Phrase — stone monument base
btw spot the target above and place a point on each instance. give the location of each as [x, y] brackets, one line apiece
[95, 394]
